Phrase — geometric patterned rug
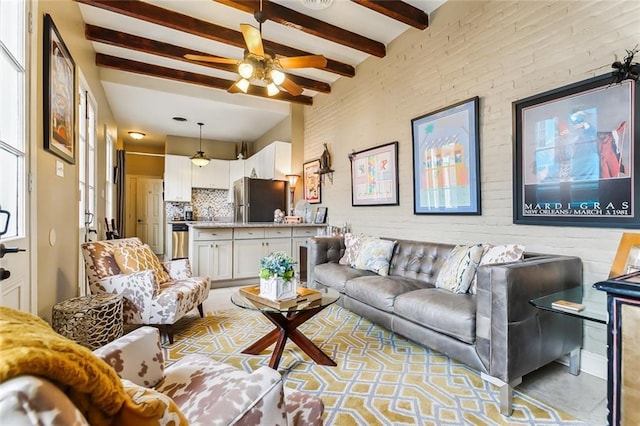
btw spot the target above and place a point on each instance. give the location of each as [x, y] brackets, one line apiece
[381, 377]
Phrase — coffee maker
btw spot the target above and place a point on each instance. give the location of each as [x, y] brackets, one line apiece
[188, 212]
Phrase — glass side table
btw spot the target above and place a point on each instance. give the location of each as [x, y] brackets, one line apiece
[591, 311]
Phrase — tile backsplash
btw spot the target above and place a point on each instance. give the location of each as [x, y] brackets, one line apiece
[204, 202]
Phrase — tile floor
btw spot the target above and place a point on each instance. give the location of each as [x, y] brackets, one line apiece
[583, 396]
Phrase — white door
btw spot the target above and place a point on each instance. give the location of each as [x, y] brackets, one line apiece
[150, 214]
[16, 287]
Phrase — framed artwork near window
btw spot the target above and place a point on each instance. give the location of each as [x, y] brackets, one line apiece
[446, 160]
[374, 176]
[311, 182]
[59, 75]
[576, 156]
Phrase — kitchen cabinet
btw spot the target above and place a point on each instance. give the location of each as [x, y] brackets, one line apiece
[214, 175]
[211, 253]
[250, 245]
[274, 161]
[236, 171]
[177, 178]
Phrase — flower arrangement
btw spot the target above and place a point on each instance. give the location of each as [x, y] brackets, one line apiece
[277, 264]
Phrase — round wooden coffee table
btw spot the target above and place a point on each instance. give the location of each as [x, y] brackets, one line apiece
[287, 322]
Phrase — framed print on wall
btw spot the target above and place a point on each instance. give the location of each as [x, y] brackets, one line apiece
[446, 160]
[627, 258]
[575, 163]
[374, 176]
[59, 75]
[311, 182]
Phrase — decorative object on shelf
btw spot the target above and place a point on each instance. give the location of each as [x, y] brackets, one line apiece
[574, 161]
[446, 160]
[59, 77]
[261, 64]
[311, 181]
[321, 215]
[627, 258]
[277, 276]
[278, 216]
[374, 176]
[626, 69]
[325, 165]
[293, 180]
[137, 135]
[199, 159]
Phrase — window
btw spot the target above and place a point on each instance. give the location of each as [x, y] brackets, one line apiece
[108, 199]
[86, 157]
[12, 115]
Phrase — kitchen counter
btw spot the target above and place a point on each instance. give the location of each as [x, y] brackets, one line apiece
[199, 225]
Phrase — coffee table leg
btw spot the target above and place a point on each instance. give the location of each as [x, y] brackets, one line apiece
[263, 343]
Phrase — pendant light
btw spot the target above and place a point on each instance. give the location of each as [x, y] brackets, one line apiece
[199, 159]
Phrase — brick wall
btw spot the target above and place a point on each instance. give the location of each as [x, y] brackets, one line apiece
[501, 51]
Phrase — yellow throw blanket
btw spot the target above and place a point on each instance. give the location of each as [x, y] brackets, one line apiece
[28, 345]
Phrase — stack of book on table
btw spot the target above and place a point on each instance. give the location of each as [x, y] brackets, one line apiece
[306, 296]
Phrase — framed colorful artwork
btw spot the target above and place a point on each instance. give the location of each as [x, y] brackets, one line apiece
[446, 160]
[576, 156]
[311, 182]
[59, 75]
[374, 176]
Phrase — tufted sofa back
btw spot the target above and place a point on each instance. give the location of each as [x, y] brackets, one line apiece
[418, 260]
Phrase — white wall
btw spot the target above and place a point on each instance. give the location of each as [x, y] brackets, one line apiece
[501, 51]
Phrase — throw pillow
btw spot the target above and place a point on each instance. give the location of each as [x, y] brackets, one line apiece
[459, 268]
[374, 256]
[149, 404]
[352, 246]
[140, 258]
[498, 254]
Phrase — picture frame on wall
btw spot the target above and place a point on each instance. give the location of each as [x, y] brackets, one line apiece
[374, 176]
[59, 77]
[446, 160]
[627, 258]
[321, 215]
[311, 182]
[574, 158]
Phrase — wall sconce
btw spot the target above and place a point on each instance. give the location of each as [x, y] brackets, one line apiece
[325, 165]
[293, 179]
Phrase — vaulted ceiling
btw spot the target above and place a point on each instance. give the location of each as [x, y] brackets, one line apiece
[141, 46]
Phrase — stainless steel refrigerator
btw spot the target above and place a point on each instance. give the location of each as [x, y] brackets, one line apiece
[255, 200]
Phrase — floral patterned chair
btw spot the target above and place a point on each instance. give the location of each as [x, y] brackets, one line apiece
[153, 293]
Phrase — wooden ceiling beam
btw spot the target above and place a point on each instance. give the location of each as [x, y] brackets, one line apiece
[108, 61]
[153, 47]
[398, 10]
[290, 18]
[177, 21]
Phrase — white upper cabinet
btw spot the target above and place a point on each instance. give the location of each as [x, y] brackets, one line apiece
[274, 161]
[177, 178]
[236, 171]
[214, 175]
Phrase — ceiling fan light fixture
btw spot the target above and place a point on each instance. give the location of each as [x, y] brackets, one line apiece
[245, 69]
[272, 89]
[199, 158]
[277, 77]
[243, 84]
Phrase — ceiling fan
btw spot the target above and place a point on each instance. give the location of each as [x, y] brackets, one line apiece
[260, 64]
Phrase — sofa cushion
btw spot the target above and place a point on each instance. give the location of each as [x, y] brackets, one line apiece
[440, 310]
[142, 258]
[460, 268]
[374, 256]
[351, 248]
[381, 292]
[151, 404]
[336, 276]
[498, 254]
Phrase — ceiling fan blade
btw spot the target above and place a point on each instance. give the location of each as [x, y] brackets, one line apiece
[214, 59]
[311, 61]
[291, 87]
[253, 39]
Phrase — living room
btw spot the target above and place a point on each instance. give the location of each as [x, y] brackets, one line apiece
[499, 51]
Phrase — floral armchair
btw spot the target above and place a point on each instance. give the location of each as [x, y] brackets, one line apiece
[153, 293]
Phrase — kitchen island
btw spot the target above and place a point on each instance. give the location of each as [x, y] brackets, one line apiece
[229, 253]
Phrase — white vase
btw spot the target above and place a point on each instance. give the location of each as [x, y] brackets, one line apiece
[276, 288]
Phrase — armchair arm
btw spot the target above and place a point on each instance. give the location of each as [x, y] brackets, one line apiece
[323, 250]
[513, 337]
[178, 269]
[138, 290]
[136, 356]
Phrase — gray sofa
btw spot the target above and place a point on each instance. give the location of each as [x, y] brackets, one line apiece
[496, 331]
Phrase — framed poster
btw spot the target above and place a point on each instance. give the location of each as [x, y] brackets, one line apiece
[575, 163]
[321, 215]
[59, 75]
[374, 176]
[446, 160]
[311, 182]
